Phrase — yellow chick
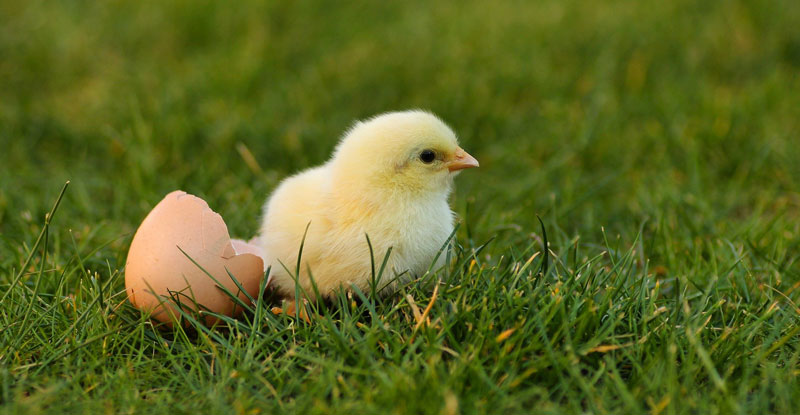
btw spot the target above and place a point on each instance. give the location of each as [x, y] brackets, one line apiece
[389, 178]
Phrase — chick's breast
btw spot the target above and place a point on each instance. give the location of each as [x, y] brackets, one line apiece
[416, 231]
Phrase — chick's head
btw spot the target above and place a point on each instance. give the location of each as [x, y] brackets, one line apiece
[409, 153]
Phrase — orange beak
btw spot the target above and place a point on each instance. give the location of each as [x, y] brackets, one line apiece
[462, 161]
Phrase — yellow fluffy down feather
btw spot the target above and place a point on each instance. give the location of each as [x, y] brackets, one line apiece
[389, 178]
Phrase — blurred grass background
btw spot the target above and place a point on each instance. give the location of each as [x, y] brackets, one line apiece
[608, 112]
[679, 118]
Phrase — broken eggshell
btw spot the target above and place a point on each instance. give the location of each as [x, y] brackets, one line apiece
[157, 273]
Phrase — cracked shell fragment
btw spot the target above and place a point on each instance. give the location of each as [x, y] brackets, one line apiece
[156, 269]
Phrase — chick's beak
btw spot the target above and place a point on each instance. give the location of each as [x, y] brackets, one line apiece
[462, 160]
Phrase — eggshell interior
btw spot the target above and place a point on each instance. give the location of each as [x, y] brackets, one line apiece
[157, 269]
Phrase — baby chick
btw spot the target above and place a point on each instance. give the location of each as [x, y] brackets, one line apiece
[388, 179]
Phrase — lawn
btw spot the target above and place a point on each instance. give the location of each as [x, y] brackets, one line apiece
[659, 143]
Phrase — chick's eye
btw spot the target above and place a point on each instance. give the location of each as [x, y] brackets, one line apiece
[427, 156]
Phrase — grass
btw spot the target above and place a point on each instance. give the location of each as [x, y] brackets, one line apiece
[657, 142]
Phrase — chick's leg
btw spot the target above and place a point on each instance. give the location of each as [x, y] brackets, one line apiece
[289, 307]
